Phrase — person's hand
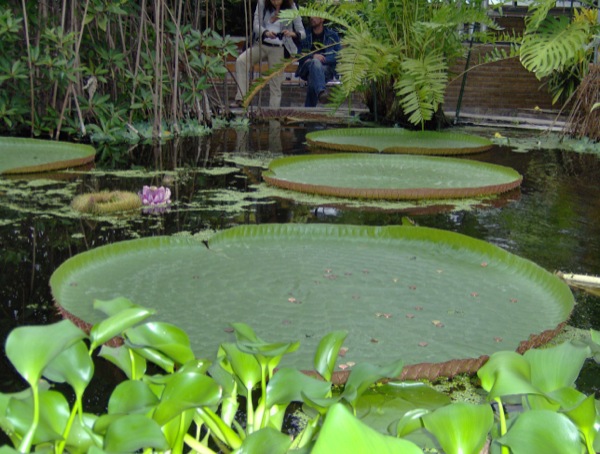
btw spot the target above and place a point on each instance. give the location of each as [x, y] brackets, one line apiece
[289, 33]
[270, 34]
[319, 57]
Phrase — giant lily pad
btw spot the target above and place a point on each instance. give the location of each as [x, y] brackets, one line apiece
[392, 177]
[20, 156]
[440, 301]
[395, 140]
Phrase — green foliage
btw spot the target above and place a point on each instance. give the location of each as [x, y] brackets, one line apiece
[559, 48]
[398, 52]
[193, 405]
[101, 71]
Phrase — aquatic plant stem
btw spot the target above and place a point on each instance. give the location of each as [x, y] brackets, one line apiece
[502, 417]
[196, 445]
[25, 445]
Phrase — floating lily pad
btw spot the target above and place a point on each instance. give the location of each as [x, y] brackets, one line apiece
[440, 301]
[391, 177]
[20, 156]
[396, 140]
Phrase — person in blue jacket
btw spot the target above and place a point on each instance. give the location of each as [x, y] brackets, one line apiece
[318, 68]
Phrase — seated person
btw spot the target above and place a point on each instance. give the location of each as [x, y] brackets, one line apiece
[319, 67]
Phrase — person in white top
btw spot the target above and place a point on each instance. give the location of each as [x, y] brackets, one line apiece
[272, 37]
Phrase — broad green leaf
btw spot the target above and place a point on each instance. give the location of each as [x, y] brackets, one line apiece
[343, 276]
[185, 391]
[245, 366]
[364, 375]
[134, 432]
[460, 428]
[245, 333]
[115, 325]
[122, 357]
[81, 436]
[390, 177]
[567, 360]
[155, 357]
[506, 374]
[18, 155]
[410, 422]
[114, 306]
[327, 353]
[31, 348]
[132, 396]
[554, 46]
[267, 440]
[290, 385]
[164, 337]
[542, 431]
[584, 416]
[342, 432]
[54, 413]
[73, 366]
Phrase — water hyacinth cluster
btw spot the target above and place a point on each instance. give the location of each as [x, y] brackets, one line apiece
[155, 199]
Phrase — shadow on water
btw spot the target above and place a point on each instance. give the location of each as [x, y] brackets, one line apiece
[553, 220]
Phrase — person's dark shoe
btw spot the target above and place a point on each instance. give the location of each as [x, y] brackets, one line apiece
[323, 97]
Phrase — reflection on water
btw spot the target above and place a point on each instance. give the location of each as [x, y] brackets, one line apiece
[554, 219]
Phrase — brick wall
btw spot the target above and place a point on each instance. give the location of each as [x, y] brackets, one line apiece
[502, 87]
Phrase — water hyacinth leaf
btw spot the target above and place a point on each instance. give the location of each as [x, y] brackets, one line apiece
[327, 353]
[115, 325]
[73, 366]
[164, 337]
[245, 333]
[114, 306]
[357, 436]
[244, 365]
[324, 278]
[131, 363]
[155, 357]
[54, 414]
[460, 427]
[131, 397]
[134, 432]
[265, 440]
[289, 385]
[19, 156]
[364, 375]
[185, 391]
[506, 374]
[409, 423]
[584, 416]
[81, 436]
[567, 360]
[543, 431]
[397, 140]
[31, 348]
[390, 177]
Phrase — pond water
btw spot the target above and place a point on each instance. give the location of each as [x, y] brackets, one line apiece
[553, 220]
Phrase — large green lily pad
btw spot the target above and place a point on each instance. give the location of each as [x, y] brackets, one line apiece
[426, 296]
[396, 140]
[21, 156]
[391, 177]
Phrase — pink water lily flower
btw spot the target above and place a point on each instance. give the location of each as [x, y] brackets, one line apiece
[152, 195]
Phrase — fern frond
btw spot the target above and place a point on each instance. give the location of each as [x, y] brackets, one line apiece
[260, 83]
[422, 86]
[555, 45]
[537, 14]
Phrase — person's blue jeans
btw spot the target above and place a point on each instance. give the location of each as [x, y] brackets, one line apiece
[317, 75]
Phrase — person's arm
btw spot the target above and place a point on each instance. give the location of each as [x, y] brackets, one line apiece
[299, 28]
[331, 52]
[257, 25]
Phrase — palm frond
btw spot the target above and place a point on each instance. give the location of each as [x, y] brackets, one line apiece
[555, 45]
[422, 86]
